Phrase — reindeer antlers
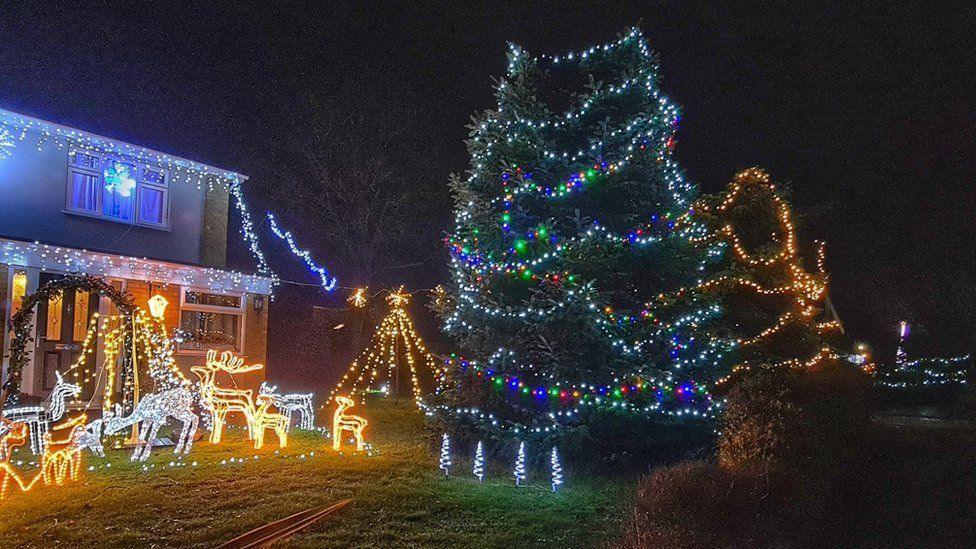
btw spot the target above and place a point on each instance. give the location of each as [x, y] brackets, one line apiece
[229, 363]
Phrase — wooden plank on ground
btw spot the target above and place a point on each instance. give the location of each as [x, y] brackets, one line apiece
[284, 528]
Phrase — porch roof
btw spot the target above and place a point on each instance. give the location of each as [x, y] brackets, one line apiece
[49, 257]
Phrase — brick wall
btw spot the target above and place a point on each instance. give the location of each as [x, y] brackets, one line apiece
[141, 291]
[213, 239]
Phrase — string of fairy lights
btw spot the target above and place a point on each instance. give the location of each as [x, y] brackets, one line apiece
[379, 362]
[924, 372]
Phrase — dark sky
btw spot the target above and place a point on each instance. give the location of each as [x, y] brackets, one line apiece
[868, 116]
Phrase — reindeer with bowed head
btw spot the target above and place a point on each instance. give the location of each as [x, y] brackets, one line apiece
[153, 412]
[220, 400]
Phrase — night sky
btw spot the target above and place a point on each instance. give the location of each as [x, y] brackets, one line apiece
[867, 116]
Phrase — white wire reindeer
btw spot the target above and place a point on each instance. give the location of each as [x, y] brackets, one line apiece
[89, 436]
[152, 412]
[40, 418]
[289, 404]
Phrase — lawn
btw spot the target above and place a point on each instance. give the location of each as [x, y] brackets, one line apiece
[400, 499]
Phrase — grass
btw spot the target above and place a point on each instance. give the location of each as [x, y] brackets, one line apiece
[400, 498]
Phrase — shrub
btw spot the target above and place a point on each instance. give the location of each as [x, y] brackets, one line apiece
[779, 418]
[697, 504]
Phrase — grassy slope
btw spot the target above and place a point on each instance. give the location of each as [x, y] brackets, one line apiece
[400, 499]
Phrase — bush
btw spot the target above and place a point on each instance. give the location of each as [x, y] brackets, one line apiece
[780, 418]
[696, 504]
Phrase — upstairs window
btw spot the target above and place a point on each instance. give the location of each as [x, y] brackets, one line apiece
[116, 189]
[119, 190]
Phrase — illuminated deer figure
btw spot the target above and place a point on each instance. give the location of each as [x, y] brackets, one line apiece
[40, 418]
[11, 435]
[153, 411]
[263, 419]
[343, 422]
[57, 466]
[220, 401]
[297, 402]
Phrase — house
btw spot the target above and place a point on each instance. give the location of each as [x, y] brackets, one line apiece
[72, 202]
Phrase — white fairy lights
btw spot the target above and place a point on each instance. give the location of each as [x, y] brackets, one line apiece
[23, 128]
[328, 281]
[556, 470]
[479, 463]
[445, 459]
[70, 260]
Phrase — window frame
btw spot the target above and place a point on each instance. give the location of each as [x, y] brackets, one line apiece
[240, 311]
[162, 186]
[74, 168]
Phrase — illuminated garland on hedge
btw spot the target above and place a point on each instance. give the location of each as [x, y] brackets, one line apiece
[928, 372]
[6, 143]
[807, 290]
[328, 281]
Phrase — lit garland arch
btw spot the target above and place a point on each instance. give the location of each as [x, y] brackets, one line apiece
[20, 322]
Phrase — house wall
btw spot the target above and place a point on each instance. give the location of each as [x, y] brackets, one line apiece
[255, 331]
[4, 273]
[34, 182]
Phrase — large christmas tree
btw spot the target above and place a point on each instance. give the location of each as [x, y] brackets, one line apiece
[572, 223]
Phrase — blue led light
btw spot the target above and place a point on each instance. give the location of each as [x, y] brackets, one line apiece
[328, 281]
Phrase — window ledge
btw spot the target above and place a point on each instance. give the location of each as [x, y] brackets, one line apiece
[117, 221]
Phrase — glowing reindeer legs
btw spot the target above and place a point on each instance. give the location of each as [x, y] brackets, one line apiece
[221, 400]
[263, 419]
[343, 422]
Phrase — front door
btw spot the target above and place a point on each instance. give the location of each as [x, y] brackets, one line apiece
[62, 325]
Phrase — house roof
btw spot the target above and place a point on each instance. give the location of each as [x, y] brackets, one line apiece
[17, 127]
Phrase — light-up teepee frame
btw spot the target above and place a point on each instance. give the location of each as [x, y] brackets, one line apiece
[380, 362]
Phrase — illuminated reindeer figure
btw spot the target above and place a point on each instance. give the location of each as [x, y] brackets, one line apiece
[57, 466]
[296, 402]
[263, 419]
[11, 435]
[153, 411]
[40, 418]
[89, 436]
[220, 401]
[343, 422]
